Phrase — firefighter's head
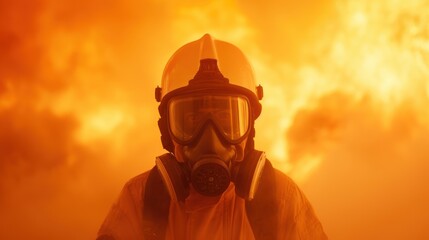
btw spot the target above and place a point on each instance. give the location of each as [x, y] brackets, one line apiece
[208, 104]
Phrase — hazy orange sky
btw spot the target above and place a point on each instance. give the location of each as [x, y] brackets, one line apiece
[345, 111]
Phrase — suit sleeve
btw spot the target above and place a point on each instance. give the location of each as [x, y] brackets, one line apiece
[298, 221]
[124, 220]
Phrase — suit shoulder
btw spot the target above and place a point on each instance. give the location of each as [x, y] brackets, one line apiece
[142, 177]
[284, 180]
[288, 190]
[137, 183]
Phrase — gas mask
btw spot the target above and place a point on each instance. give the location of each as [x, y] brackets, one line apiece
[210, 133]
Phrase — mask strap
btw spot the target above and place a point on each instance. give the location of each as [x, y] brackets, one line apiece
[156, 207]
[262, 210]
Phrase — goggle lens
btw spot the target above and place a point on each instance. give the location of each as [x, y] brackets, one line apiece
[230, 114]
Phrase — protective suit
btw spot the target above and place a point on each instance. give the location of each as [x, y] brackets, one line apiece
[212, 183]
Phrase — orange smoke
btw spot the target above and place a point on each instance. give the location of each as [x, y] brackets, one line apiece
[345, 108]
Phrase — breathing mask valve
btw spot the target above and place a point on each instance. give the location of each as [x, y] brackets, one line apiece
[210, 176]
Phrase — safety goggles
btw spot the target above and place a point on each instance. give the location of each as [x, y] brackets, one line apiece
[189, 114]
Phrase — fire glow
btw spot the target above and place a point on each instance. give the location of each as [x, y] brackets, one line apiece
[344, 113]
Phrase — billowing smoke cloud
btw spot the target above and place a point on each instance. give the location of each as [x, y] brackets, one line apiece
[74, 106]
[344, 110]
[365, 127]
[371, 183]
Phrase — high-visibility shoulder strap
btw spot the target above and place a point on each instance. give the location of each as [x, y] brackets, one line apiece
[156, 207]
[262, 210]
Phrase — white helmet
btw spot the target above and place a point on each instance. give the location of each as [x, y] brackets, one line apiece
[206, 66]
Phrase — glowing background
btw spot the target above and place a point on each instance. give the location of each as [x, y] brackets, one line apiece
[345, 109]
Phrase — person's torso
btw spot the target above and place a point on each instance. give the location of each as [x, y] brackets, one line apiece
[200, 217]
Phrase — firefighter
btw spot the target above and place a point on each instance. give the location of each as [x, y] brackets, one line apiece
[212, 183]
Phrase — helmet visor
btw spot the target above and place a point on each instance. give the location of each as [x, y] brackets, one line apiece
[188, 114]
